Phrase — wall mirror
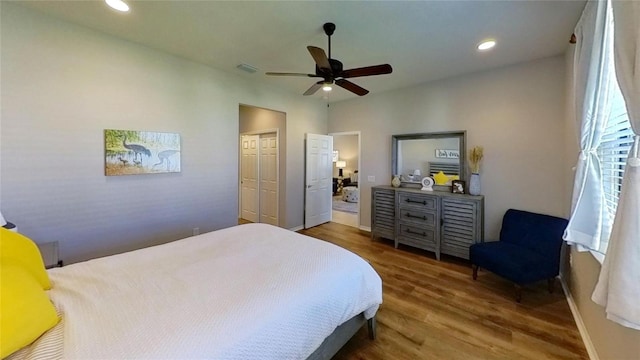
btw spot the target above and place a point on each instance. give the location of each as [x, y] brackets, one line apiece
[415, 156]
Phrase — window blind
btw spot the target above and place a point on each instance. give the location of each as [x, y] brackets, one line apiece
[613, 151]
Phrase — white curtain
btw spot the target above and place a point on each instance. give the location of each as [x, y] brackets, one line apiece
[593, 94]
[618, 288]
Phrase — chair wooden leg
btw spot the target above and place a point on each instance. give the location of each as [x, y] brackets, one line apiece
[518, 292]
[551, 284]
[475, 271]
[371, 326]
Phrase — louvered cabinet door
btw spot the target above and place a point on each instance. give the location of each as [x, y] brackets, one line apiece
[462, 224]
[383, 213]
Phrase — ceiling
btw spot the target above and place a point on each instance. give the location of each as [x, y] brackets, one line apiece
[422, 40]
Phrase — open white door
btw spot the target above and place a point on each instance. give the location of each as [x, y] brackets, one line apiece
[249, 178]
[318, 180]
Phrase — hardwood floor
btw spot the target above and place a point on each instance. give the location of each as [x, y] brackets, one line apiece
[434, 310]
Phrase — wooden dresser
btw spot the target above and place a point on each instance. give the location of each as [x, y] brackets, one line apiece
[442, 222]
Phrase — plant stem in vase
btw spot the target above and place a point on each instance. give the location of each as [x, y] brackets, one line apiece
[475, 157]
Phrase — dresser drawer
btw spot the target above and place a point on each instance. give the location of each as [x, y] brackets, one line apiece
[408, 200]
[417, 217]
[424, 238]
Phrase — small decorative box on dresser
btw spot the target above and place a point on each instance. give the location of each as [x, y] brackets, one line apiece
[49, 252]
[442, 222]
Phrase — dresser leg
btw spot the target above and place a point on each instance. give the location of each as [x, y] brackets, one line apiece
[475, 271]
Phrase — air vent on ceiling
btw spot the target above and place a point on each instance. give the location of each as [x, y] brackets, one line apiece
[248, 68]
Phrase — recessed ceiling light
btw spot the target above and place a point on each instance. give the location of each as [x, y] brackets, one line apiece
[118, 5]
[486, 45]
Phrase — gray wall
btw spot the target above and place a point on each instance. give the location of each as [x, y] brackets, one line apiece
[516, 113]
[63, 84]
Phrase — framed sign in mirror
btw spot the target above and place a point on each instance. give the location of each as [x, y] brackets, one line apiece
[415, 156]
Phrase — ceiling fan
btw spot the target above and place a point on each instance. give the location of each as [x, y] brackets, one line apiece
[331, 70]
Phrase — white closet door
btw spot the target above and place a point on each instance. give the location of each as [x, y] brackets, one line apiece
[269, 179]
[249, 178]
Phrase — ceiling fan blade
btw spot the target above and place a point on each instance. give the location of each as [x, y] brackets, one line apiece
[367, 71]
[290, 74]
[320, 57]
[312, 90]
[346, 84]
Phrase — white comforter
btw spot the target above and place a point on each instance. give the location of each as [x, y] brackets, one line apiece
[247, 292]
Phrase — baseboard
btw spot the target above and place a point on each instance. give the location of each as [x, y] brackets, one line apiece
[591, 350]
[365, 228]
[297, 228]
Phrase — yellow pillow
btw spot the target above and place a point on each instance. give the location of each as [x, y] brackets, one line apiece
[19, 248]
[440, 178]
[25, 309]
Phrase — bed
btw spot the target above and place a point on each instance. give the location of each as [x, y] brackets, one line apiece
[252, 291]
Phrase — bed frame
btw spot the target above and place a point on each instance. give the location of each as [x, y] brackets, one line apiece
[336, 340]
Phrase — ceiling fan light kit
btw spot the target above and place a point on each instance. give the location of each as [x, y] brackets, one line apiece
[118, 5]
[486, 45]
[332, 70]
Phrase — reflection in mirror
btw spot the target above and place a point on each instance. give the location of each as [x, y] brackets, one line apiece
[427, 154]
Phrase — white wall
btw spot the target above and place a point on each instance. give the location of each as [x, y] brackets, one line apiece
[516, 113]
[63, 84]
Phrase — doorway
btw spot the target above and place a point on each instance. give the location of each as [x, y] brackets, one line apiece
[260, 170]
[259, 178]
[346, 188]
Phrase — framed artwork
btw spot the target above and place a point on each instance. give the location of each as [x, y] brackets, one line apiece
[336, 155]
[457, 186]
[447, 154]
[129, 152]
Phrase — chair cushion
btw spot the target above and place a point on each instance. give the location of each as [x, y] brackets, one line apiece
[513, 262]
[536, 232]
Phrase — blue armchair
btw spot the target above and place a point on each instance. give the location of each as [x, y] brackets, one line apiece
[528, 250]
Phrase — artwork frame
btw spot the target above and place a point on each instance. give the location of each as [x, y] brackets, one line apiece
[447, 153]
[134, 152]
[458, 186]
[336, 155]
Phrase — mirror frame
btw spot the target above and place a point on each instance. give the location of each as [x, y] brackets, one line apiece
[460, 135]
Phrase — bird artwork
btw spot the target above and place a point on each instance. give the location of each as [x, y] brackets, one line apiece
[132, 152]
[164, 156]
[137, 149]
